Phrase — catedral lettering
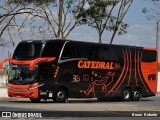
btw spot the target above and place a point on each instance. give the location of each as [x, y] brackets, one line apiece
[62, 69]
[95, 65]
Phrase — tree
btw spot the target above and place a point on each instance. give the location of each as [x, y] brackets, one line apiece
[7, 19]
[152, 13]
[119, 25]
[99, 15]
[59, 15]
[3, 43]
[96, 16]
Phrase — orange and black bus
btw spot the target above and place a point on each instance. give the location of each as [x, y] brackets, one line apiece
[62, 69]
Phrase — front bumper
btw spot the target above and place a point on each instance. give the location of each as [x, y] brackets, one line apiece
[23, 91]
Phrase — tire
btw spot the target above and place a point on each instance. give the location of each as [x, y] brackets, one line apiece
[126, 95]
[35, 100]
[136, 96]
[60, 96]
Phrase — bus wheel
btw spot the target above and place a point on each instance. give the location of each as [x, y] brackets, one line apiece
[60, 96]
[136, 96]
[35, 100]
[126, 95]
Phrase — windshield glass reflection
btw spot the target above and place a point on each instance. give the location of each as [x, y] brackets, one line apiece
[20, 74]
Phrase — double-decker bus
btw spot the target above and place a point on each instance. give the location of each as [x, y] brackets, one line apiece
[62, 69]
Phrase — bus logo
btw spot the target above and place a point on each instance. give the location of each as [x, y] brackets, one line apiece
[96, 65]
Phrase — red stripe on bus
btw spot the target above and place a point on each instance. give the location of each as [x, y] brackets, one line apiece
[126, 72]
[120, 75]
[130, 67]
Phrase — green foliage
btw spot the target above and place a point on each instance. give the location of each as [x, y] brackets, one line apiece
[6, 69]
[101, 15]
[123, 28]
[96, 13]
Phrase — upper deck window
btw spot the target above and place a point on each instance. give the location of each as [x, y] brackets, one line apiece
[27, 50]
[52, 48]
[92, 52]
[76, 50]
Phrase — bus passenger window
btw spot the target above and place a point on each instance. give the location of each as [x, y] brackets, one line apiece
[109, 53]
[149, 56]
[67, 52]
[52, 49]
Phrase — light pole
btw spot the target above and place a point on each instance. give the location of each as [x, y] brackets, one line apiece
[158, 38]
[158, 34]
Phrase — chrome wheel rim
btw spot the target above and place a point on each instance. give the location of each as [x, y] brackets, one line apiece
[136, 94]
[60, 95]
[126, 94]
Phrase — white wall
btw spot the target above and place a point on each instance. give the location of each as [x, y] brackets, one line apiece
[3, 92]
[3, 86]
[3, 81]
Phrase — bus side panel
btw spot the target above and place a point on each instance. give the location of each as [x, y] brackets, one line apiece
[138, 74]
[87, 82]
[149, 68]
[84, 80]
[150, 75]
[72, 77]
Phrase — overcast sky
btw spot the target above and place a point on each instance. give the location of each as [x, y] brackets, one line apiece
[141, 32]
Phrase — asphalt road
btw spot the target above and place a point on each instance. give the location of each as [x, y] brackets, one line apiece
[81, 108]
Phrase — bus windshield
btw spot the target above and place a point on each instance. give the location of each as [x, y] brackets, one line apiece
[20, 74]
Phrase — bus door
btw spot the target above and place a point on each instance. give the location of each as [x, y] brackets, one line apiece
[46, 80]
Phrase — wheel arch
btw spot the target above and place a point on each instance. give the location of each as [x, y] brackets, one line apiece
[128, 87]
[138, 88]
[63, 87]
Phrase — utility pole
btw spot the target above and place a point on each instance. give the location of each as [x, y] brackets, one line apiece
[158, 34]
[158, 38]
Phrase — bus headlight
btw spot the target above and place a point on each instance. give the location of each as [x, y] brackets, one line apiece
[32, 88]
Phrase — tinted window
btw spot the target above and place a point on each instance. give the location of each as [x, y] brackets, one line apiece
[110, 53]
[149, 56]
[76, 50]
[92, 51]
[27, 51]
[52, 49]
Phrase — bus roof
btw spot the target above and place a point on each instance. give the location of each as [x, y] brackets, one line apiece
[64, 40]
